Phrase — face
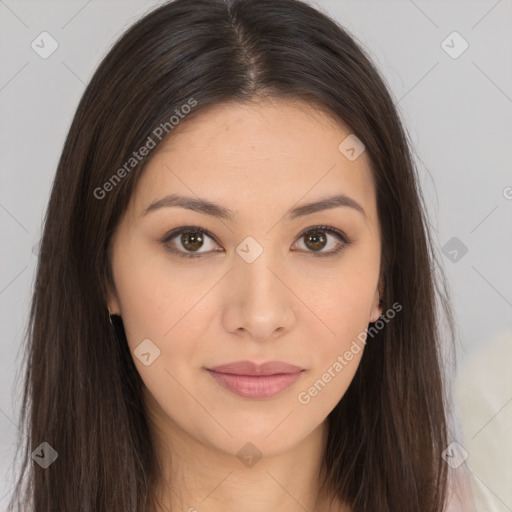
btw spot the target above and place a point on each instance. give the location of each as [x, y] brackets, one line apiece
[256, 276]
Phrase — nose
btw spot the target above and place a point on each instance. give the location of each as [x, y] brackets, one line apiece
[259, 302]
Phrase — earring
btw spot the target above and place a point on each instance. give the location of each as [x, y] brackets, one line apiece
[117, 324]
[120, 335]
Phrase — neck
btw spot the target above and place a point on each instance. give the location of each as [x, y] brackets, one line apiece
[197, 477]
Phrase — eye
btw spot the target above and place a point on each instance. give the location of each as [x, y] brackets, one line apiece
[316, 238]
[192, 239]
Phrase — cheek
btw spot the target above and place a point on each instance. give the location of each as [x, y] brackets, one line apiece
[337, 353]
[165, 313]
[327, 385]
[342, 306]
[164, 317]
[152, 298]
[342, 303]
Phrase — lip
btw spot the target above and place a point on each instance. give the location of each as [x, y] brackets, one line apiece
[250, 380]
[250, 368]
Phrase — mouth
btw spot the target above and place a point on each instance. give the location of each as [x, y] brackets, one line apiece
[249, 380]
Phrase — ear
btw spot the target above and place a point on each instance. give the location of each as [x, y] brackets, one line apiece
[376, 310]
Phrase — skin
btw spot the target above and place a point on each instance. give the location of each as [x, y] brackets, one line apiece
[287, 305]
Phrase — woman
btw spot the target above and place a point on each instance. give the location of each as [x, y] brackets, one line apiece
[235, 304]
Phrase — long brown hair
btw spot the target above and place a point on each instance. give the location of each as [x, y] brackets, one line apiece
[82, 392]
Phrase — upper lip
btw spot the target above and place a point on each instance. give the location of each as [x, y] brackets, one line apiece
[250, 368]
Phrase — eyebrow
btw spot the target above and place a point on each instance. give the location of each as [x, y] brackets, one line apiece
[216, 210]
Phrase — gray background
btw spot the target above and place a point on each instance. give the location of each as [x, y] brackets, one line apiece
[458, 114]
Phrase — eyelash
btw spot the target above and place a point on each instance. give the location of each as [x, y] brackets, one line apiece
[345, 241]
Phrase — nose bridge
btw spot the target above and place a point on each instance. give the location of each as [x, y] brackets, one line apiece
[256, 267]
[259, 295]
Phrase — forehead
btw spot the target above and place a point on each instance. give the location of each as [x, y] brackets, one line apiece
[256, 154]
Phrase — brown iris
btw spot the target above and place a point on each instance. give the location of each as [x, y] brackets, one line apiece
[315, 240]
[192, 240]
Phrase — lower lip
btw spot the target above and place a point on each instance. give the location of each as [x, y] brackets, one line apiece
[256, 386]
